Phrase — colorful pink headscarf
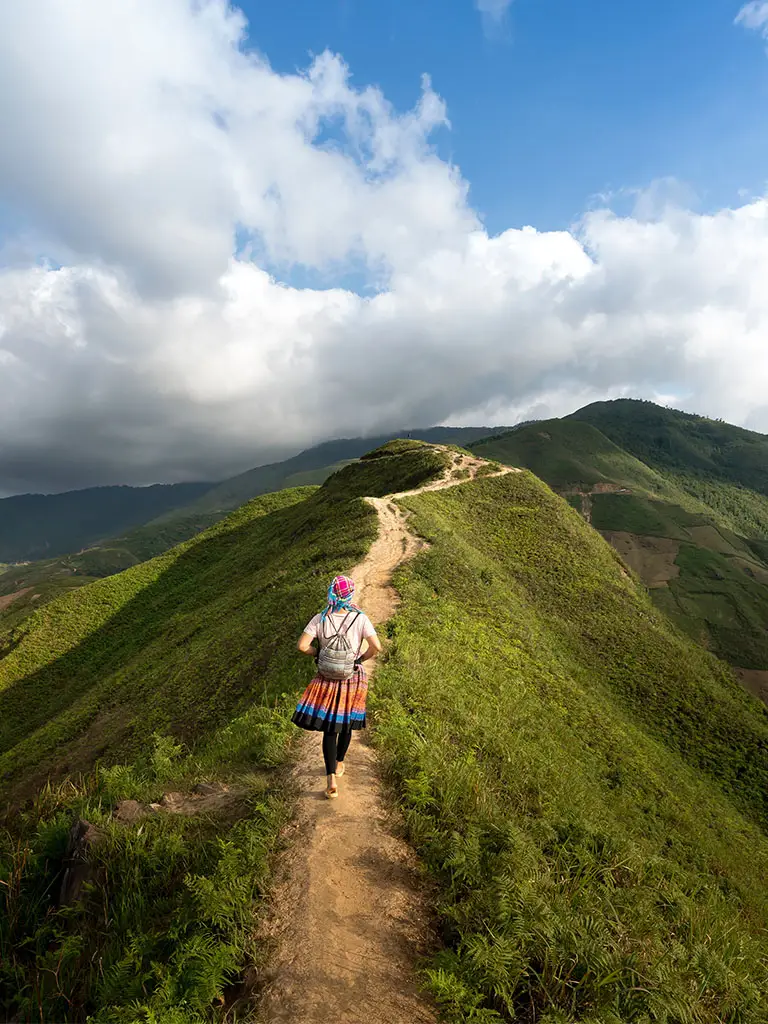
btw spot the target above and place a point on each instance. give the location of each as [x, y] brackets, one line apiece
[340, 595]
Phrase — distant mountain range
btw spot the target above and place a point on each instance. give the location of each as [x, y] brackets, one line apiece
[34, 526]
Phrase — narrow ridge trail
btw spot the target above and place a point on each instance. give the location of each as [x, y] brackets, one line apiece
[349, 915]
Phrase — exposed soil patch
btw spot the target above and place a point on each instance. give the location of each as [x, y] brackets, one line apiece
[605, 487]
[756, 681]
[652, 558]
[8, 599]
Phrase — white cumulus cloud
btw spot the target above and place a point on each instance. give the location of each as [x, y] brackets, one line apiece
[170, 190]
[754, 15]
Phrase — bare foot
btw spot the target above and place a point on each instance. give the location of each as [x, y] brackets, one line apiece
[331, 790]
[339, 769]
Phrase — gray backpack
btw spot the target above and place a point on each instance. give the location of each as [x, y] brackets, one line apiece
[336, 659]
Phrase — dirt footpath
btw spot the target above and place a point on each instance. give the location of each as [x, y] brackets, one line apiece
[349, 913]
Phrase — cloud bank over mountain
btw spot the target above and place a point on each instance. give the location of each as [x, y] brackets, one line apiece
[168, 196]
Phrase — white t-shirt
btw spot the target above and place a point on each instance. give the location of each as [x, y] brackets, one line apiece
[356, 631]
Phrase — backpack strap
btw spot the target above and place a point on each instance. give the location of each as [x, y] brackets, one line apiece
[357, 616]
[341, 627]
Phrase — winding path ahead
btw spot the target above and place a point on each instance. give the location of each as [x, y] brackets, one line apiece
[349, 914]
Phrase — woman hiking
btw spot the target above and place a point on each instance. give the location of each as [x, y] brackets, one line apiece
[334, 702]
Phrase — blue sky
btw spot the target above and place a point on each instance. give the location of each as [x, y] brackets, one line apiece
[564, 100]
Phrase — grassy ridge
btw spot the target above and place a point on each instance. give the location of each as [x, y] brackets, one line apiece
[151, 648]
[52, 577]
[144, 542]
[586, 787]
[197, 647]
[42, 526]
[666, 439]
[399, 465]
[569, 454]
[315, 465]
[198, 644]
[34, 585]
[47, 579]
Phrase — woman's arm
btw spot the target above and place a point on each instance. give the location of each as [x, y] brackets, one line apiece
[373, 648]
[305, 643]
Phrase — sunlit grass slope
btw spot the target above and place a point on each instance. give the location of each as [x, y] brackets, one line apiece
[167, 644]
[667, 439]
[718, 594]
[568, 453]
[586, 786]
[197, 646]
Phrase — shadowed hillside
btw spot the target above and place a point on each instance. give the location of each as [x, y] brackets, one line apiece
[34, 526]
[682, 442]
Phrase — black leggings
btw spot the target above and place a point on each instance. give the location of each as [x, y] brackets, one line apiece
[335, 746]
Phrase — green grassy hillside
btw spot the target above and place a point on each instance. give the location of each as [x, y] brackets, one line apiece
[569, 455]
[678, 441]
[103, 662]
[198, 647]
[26, 587]
[314, 465]
[712, 581]
[574, 774]
[141, 650]
[586, 786]
[30, 585]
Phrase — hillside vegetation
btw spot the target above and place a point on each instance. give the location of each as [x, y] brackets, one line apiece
[685, 521]
[586, 786]
[569, 455]
[679, 441]
[26, 587]
[314, 465]
[31, 585]
[198, 647]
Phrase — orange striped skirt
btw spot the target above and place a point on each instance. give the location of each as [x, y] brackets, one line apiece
[330, 705]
